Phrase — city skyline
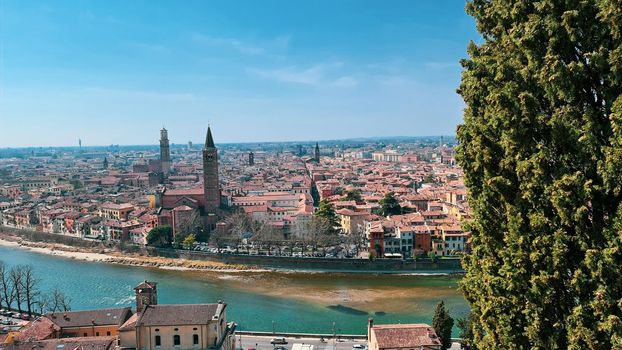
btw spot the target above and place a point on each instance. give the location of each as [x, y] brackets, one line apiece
[114, 73]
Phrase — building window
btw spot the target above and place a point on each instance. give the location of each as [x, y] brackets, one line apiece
[85, 335]
[108, 333]
[158, 340]
[195, 339]
[176, 340]
[97, 334]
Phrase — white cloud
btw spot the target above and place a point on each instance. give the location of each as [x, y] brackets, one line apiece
[346, 82]
[243, 47]
[235, 44]
[315, 75]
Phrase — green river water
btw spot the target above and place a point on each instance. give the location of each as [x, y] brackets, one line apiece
[260, 301]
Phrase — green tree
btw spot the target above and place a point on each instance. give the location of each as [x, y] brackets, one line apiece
[160, 236]
[442, 324]
[541, 149]
[327, 211]
[465, 325]
[389, 205]
[353, 195]
[189, 241]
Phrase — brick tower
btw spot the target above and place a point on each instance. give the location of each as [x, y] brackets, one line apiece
[165, 153]
[211, 185]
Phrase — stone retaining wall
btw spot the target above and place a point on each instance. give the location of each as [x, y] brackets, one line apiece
[320, 264]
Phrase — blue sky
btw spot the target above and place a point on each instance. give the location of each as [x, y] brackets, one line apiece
[114, 72]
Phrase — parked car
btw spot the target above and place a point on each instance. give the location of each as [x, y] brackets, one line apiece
[359, 347]
[280, 348]
[279, 340]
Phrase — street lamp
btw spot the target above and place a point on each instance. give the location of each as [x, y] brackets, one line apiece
[334, 336]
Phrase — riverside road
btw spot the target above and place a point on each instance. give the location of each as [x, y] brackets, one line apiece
[263, 343]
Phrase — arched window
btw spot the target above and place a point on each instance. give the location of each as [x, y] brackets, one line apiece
[158, 340]
[176, 340]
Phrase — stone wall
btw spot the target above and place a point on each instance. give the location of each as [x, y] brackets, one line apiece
[320, 264]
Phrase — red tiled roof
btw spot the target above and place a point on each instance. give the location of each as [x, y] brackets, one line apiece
[404, 336]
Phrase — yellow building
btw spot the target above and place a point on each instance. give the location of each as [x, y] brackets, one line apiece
[115, 211]
[193, 326]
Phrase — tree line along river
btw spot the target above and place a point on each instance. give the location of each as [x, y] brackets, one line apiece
[258, 301]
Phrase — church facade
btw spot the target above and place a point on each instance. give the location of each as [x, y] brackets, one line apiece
[180, 208]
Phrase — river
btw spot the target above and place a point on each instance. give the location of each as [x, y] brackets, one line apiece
[289, 302]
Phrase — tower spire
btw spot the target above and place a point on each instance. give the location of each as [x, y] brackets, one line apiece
[209, 140]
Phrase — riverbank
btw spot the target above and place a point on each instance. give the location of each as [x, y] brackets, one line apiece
[178, 259]
[112, 256]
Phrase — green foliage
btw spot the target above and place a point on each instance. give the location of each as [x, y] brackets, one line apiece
[353, 195]
[389, 205]
[428, 178]
[327, 212]
[432, 256]
[189, 241]
[442, 324]
[372, 255]
[541, 149]
[466, 332]
[160, 236]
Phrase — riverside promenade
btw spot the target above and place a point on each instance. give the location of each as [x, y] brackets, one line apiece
[302, 264]
[261, 340]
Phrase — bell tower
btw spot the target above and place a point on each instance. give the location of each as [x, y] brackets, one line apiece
[146, 294]
[317, 152]
[211, 185]
[165, 153]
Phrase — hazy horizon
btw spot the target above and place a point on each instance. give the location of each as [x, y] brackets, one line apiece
[174, 143]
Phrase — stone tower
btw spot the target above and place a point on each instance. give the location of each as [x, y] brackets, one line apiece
[211, 185]
[146, 294]
[317, 152]
[251, 159]
[165, 153]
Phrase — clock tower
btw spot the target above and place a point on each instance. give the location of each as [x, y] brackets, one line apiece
[146, 294]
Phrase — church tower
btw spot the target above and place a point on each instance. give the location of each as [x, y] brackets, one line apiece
[165, 153]
[251, 159]
[146, 294]
[211, 185]
[317, 152]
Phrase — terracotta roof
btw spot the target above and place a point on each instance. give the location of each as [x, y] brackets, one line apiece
[99, 317]
[168, 315]
[39, 329]
[404, 336]
[184, 192]
[91, 343]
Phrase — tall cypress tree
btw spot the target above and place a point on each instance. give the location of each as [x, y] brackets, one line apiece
[442, 324]
[541, 148]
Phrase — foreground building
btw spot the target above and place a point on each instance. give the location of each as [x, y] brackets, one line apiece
[150, 326]
[193, 326]
[402, 337]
